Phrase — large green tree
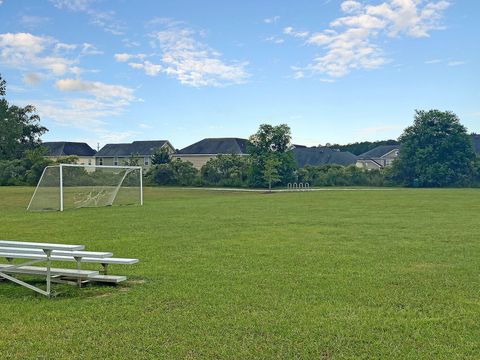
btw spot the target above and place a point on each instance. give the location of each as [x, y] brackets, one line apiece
[20, 128]
[267, 143]
[435, 151]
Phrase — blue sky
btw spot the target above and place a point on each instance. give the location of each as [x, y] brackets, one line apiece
[336, 71]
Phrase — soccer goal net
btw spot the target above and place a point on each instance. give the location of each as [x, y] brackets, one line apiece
[68, 186]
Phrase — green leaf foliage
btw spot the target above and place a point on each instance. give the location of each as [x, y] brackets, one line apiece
[436, 151]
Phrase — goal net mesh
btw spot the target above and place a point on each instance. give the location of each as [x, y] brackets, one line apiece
[86, 186]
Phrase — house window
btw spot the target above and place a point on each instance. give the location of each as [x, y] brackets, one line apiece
[146, 162]
[100, 161]
[115, 161]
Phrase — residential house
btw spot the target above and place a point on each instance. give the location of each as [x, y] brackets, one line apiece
[120, 154]
[316, 156]
[378, 157]
[58, 149]
[200, 152]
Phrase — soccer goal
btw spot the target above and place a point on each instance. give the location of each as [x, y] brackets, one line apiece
[69, 186]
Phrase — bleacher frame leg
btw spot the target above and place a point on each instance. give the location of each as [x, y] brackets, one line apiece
[79, 266]
[49, 275]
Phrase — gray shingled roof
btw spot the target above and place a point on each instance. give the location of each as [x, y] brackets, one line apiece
[316, 156]
[476, 143]
[217, 146]
[136, 147]
[378, 152]
[66, 148]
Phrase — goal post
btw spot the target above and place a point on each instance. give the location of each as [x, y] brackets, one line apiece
[70, 186]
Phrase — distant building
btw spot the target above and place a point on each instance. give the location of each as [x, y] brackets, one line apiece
[378, 157]
[119, 154]
[58, 149]
[202, 151]
[316, 156]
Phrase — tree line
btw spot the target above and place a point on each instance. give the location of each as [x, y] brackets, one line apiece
[435, 151]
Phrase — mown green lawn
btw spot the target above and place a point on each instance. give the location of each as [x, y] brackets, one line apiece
[312, 275]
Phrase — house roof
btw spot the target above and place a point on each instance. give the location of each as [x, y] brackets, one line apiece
[322, 156]
[136, 147]
[217, 146]
[66, 148]
[378, 152]
[476, 143]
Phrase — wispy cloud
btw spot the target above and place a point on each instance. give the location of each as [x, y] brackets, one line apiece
[298, 34]
[123, 57]
[104, 19]
[184, 56]
[121, 94]
[446, 61]
[32, 22]
[32, 79]
[456, 62]
[271, 20]
[352, 41]
[28, 52]
[275, 39]
[92, 104]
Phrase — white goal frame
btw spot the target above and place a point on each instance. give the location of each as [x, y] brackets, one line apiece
[61, 166]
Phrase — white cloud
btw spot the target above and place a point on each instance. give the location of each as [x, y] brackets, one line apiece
[433, 61]
[26, 51]
[352, 42]
[74, 5]
[103, 19]
[97, 102]
[193, 62]
[98, 89]
[89, 49]
[272, 20]
[149, 68]
[274, 39]
[124, 57]
[186, 58]
[32, 79]
[456, 63]
[299, 34]
[32, 22]
[350, 6]
[64, 47]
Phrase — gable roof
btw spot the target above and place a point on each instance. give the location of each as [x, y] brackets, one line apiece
[322, 156]
[378, 152]
[136, 147]
[476, 143]
[217, 146]
[66, 148]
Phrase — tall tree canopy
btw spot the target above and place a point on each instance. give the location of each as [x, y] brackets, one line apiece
[270, 138]
[267, 143]
[20, 128]
[436, 151]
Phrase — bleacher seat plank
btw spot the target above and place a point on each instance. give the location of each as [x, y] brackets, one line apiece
[38, 270]
[36, 245]
[100, 254]
[110, 260]
[108, 278]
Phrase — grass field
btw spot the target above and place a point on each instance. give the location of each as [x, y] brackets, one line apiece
[318, 275]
